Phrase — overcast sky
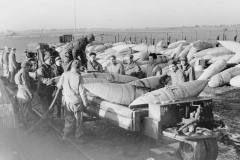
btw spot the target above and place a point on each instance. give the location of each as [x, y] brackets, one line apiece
[59, 14]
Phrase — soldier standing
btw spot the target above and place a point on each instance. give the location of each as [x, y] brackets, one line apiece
[24, 94]
[74, 99]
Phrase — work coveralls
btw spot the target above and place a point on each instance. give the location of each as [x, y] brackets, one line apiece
[74, 98]
[74, 49]
[95, 66]
[58, 71]
[189, 72]
[12, 66]
[177, 77]
[24, 94]
[153, 69]
[45, 91]
[132, 69]
[5, 64]
[117, 69]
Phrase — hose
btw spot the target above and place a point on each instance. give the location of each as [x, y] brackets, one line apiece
[45, 114]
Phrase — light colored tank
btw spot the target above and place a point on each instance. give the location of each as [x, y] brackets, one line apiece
[200, 45]
[174, 92]
[177, 51]
[185, 51]
[224, 77]
[217, 51]
[110, 76]
[231, 45]
[213, 69]
[225, 57]
[235, 81]
[235, 58]
[176, 44]
[117, 93]
[191, 53]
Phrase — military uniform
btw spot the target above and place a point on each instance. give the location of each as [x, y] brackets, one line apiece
[134, 70]
[178, 77]
[44, 90]
[153, 69]
[74, 99]
[24, 94]
[57, 71]
[117, 69]
[12, 66]
[189, 72]
[74, 49]
[95, 66]
[5, 64]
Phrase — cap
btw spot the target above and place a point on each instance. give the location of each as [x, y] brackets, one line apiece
[57, 59]
[91, 36]
[183, 58]
[25, 64]
[75, 64]
[171, 62]
[14, 49]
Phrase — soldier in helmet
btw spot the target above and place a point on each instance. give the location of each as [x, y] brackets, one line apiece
[188, 69]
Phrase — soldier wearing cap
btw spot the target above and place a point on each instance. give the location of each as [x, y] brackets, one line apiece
[46, 80]
[152, 68]
[93, 65]
[74, 99]
[132, 68]
[12, 65]
[188, 69]
[115, 67]
[24, 94]
[177, 75]
[5, 62]
[75, 49]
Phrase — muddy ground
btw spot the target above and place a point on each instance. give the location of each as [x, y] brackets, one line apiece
[104, 141]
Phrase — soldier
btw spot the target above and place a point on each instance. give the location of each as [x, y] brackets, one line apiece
[188, 70]
[93, 65]
[58, 71]
[46, 79]
[75, 49]
[152, 68]
[74, 99]
[12, 65]
[177, 75]
[24, 94]
[132, 68]
[116, 68]
[6, 62]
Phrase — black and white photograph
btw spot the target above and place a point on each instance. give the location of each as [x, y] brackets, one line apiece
[119, 80]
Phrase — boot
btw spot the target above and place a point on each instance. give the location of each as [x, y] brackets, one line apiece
[64, 137]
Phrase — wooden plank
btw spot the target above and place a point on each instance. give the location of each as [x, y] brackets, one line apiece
[111, 117]
[110, 107]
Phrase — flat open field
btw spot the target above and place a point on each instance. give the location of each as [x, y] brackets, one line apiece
[191, 34]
